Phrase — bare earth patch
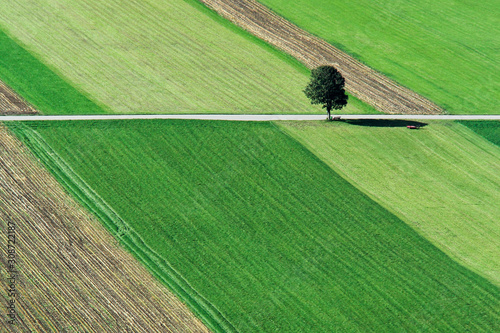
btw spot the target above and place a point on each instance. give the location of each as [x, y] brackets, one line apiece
[72, 274]
[12, 103]
[361, 81]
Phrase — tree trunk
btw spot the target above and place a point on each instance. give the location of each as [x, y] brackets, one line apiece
[328, 111]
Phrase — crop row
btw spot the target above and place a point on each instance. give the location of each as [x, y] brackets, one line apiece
[11, 103]
[72, 274]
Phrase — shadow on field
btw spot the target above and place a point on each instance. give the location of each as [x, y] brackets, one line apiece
[384, 122]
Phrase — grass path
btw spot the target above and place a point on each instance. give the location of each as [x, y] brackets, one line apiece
[443, 180]
[268, 233]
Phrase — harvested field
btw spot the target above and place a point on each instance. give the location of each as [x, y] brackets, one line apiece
[73, 275]
[11, 103]
[362, 81]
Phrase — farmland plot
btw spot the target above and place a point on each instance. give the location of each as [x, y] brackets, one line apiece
[11, 103]
[488, 129]
[157, 56]
[265, 232]
[443, 180]
[72, 274]
[36, 83]
[363, 82]
[445, 50]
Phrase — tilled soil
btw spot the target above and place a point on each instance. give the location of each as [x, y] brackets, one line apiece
[12, 103]
[361, 81]
[73, 275]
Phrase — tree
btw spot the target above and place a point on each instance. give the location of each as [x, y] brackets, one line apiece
[327, 87]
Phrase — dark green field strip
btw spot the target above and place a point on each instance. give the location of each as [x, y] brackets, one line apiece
[487, 129]
[120, 229]
[266, 232]
[38, 84]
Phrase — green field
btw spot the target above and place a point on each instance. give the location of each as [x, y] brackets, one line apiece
[444, 50]
[263, 230]
[443, 180]
[154, 56]
[488, 129]
[38, 84]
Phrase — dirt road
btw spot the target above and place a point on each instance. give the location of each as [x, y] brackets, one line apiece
[363, 82]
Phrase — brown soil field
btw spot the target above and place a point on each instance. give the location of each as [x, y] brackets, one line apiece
[12, 103]
[73, 276]
[363, 82]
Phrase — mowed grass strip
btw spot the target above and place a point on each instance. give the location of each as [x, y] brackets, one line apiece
[267, 232]
[158, 56]
[490, 130]
[72, 275]
[38, 84]
[445, 50]
[443, 180]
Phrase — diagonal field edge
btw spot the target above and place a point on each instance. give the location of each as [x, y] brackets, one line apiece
[39, 84]
[362, 81]
[12, 103]
[160, 268]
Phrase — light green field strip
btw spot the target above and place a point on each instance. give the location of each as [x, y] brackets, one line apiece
[262, 229]
[445, 50]
[159, 56]
[443, 180]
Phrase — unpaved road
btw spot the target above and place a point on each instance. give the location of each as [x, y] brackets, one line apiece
[363, 82]
[237, 117]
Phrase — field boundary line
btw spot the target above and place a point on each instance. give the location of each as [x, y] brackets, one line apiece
[126, 235]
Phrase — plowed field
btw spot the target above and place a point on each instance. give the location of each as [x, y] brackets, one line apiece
[73, 276]
[362, 81]
[11, 103]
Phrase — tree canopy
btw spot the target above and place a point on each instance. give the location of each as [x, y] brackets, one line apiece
[327, 87]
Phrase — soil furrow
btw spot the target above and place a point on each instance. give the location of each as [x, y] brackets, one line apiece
[12, 103]
[363, 82]
[73, 275]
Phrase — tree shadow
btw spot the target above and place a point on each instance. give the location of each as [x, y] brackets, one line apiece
[385, 122]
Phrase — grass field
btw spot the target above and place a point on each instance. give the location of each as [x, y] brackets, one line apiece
[444, 50]
[155, 56]
[38, 84]
[443, 180]
[265, 231]
[72, 275]
[488, 129]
